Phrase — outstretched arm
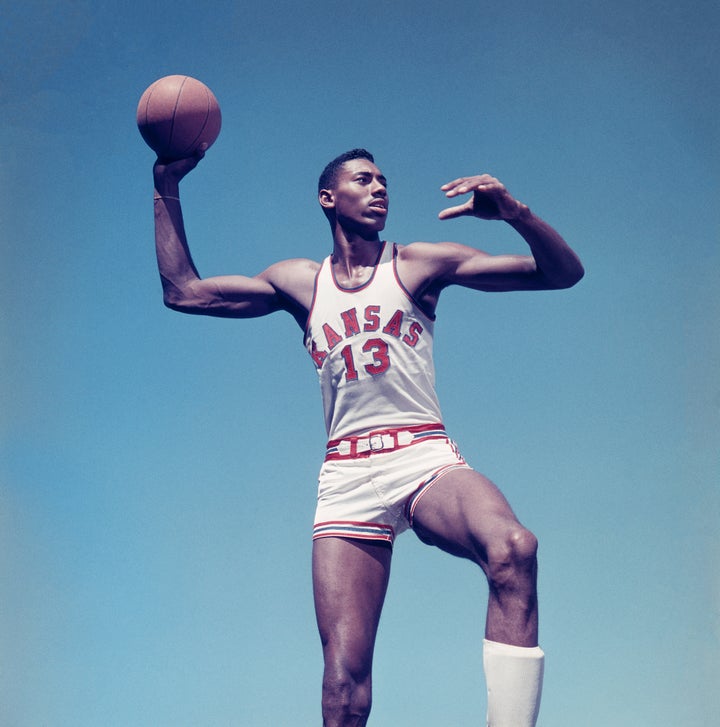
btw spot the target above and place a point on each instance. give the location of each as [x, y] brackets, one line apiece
[234, 296]
[552, 263]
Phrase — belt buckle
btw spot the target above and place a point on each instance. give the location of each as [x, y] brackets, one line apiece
[376, 443]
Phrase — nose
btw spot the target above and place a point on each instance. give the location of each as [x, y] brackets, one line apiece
[378, 189]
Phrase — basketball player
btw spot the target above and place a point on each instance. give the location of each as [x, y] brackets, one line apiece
[368, 311]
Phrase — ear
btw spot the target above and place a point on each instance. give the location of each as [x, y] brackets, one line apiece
[326, 199]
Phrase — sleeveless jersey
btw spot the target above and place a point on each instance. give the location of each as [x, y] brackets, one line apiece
[372, 347]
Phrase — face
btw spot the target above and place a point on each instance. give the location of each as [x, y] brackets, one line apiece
[359, 197]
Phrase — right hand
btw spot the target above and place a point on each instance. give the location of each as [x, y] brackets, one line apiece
[171, 171]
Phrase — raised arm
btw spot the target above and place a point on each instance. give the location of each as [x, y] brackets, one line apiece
[284, 286]
[552, 264]
[555, 264]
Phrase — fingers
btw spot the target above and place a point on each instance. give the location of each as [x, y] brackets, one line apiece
[450, 212]
[463, 185]
[490, 199]
[178, 168]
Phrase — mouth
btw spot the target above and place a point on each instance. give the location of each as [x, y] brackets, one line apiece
[379, 205]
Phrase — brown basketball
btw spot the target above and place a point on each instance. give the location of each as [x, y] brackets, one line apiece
[176, 114]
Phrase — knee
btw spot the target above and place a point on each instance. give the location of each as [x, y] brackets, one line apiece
[512, 556]
[345, 699]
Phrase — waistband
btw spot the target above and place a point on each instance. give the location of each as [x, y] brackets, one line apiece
[382, 440]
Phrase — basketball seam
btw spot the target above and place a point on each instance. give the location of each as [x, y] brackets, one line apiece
[202, 128]
[147, 102]
[177, 103]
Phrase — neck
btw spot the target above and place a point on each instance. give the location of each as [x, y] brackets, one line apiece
[355, 249]
[353, 259]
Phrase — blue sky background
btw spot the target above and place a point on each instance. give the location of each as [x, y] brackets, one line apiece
[158, 471]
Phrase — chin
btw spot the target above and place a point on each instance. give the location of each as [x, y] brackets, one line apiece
[379, 223]
[374, 226]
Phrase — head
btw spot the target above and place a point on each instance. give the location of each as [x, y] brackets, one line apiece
[328, 177]
[352, 190]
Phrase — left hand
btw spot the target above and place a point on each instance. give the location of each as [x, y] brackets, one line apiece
[490, 199]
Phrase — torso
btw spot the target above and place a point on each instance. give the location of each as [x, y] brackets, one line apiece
[372, 346]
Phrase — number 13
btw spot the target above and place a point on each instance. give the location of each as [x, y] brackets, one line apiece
[381, 359]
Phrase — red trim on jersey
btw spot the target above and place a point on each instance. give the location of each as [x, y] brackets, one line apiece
[414, 301]
[367, 282]
[312, 302]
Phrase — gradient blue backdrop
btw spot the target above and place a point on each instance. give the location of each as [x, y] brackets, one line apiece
[158, 471]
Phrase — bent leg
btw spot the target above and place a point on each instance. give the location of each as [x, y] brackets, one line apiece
[350, 580]
[465, 514]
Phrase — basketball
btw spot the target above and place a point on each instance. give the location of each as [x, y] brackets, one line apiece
[176, 114]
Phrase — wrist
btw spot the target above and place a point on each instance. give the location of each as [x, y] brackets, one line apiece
[522, 214]
[166, 188]
[165, 183]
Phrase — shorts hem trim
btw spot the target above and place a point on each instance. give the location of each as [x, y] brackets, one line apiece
[416, 496]
[356, 530]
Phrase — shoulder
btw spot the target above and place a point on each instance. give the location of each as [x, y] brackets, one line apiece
[293, 279]
[292, 268]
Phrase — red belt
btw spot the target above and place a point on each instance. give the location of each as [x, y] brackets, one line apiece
[382, 440]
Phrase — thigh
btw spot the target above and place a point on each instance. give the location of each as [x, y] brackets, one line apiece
[462, 513]
[350, 580]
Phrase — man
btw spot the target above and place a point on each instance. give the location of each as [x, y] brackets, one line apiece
[368, 311]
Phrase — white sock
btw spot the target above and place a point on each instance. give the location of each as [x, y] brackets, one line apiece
[514, 676]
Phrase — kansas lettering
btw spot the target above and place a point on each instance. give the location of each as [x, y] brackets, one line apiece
[371, 320]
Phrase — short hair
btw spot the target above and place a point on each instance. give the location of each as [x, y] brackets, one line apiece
[329, 174]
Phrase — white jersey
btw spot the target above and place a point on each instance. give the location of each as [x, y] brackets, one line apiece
[373, 350]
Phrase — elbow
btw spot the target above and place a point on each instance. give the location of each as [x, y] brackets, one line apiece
[176, 298]
[181, 304]
[174, 304]
[579, 274]
[573, 277]
[570, 277]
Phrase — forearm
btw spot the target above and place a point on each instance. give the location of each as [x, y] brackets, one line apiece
[556, 262]
[175, 262]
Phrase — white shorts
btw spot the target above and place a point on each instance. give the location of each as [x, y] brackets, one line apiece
[369, 490]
